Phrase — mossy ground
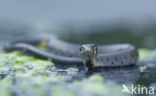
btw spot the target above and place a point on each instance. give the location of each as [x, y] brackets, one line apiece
[22, 75]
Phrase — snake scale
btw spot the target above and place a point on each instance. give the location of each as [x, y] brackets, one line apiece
[68, 53]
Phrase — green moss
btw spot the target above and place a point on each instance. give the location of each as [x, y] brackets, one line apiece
[61, 91]
[95, 86]
[42, 45]
[5, 84]
[146, 53]
[36, 77]
[19, 62]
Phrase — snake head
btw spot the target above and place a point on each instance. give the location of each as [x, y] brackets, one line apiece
[88, 51]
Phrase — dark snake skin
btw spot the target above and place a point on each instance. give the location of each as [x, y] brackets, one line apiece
[68, 53]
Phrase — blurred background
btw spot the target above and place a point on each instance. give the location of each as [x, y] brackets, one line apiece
[99, 22]
[78, 21]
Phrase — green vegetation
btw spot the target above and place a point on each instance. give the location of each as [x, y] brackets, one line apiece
[22, 75]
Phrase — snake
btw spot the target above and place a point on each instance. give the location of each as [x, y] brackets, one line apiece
[60, 51]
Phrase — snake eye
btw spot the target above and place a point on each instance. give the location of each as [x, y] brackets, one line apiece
[95, 48]
[81, 49]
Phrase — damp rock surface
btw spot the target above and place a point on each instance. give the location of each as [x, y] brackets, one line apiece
[23, 75]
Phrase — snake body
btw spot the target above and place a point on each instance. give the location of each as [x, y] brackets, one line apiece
[68, 53]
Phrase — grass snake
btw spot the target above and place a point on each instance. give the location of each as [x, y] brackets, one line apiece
[68, 53]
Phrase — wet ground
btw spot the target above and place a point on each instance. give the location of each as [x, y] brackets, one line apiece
[22, 75]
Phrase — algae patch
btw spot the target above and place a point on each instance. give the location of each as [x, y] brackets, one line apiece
[18, 62]
[25, 75]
